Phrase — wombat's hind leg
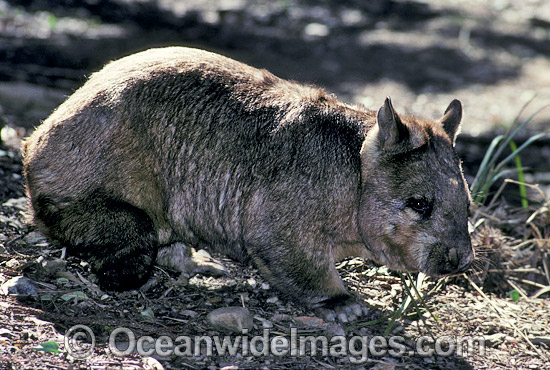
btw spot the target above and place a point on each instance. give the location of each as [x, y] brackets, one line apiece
[116, 238]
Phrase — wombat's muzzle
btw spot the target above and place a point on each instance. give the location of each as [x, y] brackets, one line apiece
[460, 260]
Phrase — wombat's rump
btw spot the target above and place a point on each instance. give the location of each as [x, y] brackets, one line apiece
[179, 147]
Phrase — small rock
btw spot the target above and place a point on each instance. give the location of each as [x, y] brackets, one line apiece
[352, 17]
[252, 282]
[494, 339]
[19, 286]
[316, 30]
[383, 366]
[233, 319]
[265, 286]
[17, 203]
[51, 268]
[281, 317]
[189, 313]
[13, 263]
[148, 314]
[231, 282]
[272, 300]
[266, 324]
[34, 237]
[151, 363]
[308, 321]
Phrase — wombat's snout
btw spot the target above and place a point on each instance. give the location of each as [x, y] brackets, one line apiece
[460, 260]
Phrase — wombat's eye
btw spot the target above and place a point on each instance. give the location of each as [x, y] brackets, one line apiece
[421, 206]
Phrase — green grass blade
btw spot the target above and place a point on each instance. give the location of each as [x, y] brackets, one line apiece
[511, 136]
[397, 314]
[521, 177]
[502, 174]
[518, 150]
[481, 175]
[522, 109]
[413, 300]
[416, 287]
[404, 305]
[489, 169]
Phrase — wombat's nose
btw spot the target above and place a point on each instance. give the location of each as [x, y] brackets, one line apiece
[460, 261]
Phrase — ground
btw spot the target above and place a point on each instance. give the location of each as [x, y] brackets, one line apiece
[423, 54]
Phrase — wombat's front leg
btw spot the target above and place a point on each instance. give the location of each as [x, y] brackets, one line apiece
[308, 274]
[116, 238]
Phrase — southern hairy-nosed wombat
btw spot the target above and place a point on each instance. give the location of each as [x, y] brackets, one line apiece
[180, 147]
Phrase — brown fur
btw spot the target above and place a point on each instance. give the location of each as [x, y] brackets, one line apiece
[174, 148]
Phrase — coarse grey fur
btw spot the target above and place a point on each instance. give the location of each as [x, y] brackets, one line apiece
[180, 147]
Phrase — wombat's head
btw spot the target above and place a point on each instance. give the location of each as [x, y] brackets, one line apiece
[414, 205]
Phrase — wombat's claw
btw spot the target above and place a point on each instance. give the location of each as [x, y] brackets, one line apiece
[344, 313]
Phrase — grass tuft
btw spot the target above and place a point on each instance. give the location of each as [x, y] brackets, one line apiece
[491, 169]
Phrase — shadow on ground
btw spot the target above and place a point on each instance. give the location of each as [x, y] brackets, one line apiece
[327, 44]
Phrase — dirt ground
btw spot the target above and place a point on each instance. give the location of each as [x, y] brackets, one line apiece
[493, 55]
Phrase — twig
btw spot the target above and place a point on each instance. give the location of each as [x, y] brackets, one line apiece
[545, 264]
[532, 186]
[490, 217]
[523, 244]
[91, 286]
[520, 270]
[52, 366]
[174, 319]
[497, 194]
[188, 365]
[528, 282]
[323, 364]
[541, 292]
[168, 291]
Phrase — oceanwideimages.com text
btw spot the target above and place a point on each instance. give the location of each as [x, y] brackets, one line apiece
[80, 342]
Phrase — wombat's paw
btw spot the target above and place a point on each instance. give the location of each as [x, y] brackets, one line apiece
[130, 274]
[203, 263]
[120, 280]
[346, 311]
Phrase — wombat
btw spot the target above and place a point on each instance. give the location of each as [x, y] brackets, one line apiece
[175, 148]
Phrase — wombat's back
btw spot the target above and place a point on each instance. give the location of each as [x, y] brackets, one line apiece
[187, 135]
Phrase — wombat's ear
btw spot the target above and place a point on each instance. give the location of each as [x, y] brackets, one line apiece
[391, 129]
[451, 119]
